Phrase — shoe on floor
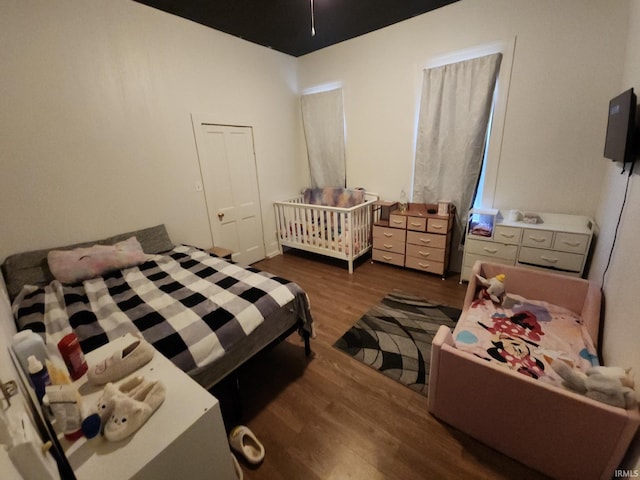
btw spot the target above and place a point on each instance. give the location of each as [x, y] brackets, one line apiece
[131, 412]
[136, 354]
[244, 441]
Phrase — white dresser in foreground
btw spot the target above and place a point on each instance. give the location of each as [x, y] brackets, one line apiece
[184, 439]
[559, 242]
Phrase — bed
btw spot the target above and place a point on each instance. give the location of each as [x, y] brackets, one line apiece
[509, 405]
[334, 222]
[204, 313]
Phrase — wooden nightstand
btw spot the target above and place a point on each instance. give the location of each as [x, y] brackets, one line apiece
[221, 252]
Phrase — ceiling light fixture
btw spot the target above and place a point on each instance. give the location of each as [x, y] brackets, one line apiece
[313, 23]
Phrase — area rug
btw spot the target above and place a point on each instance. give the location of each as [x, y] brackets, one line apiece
[395, 337]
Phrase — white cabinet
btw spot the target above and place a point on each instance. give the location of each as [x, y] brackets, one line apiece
[184, 438]
[558, 241]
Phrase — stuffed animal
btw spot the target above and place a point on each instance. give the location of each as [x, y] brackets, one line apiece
[493, 288]
[610, 385]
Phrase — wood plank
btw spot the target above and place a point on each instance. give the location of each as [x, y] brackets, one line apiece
[330, 416]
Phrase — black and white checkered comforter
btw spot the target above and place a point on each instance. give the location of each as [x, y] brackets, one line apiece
[190, 305]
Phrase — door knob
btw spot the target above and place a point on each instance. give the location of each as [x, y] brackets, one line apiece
[220, 215]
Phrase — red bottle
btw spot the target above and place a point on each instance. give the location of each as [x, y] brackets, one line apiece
[72, 355]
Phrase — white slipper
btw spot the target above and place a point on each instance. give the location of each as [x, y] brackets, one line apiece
[136, 354]
[105, 404]
[236, 468]
[244, 441]
[131, 412]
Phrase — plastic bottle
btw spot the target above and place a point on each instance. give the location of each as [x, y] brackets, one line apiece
[403, 201]
[27, 343]
[39, 376]
[72, 355]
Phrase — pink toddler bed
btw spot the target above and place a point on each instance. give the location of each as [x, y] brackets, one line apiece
[482, 378]
[526, 337]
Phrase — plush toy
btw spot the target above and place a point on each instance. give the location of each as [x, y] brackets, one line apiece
[610, 385]
[493, 288]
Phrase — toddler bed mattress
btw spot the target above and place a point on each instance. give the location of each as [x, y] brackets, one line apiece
[526, 337]
[191, 306]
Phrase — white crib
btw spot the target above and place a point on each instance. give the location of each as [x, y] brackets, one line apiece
[343, 233]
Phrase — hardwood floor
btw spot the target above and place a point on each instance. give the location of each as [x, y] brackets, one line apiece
[331, 417]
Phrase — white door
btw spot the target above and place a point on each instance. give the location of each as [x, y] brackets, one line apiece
[230, 181]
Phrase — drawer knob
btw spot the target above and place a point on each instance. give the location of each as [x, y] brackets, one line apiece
[424, 265]
[388, 245]
[388, 259]
[507, 235]
[490, 250]
[397, 222]
[388, 235]
[424, 254]
[550, 260]
[415, 224]
[438, 227]
[425, 240]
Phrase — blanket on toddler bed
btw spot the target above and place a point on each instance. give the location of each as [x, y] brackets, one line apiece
[192, 307]
[526, 337]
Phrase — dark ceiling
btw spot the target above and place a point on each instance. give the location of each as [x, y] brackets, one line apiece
[285, 25]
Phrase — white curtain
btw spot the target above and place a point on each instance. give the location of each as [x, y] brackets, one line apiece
[323, 120]
[452, 127]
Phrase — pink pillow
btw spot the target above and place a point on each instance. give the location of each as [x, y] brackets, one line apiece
[71, 266]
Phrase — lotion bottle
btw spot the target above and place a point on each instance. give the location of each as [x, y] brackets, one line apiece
[39, 376]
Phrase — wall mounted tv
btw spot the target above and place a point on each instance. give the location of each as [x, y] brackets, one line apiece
[620, 143]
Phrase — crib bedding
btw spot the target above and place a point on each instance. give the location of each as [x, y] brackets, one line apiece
[313, 233]
[526, 337]
[191, 306]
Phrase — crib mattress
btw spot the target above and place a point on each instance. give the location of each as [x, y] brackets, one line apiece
[526, 337]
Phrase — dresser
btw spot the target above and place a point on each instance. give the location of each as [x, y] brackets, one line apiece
[559, 242]
[188, 425]
[414, 239]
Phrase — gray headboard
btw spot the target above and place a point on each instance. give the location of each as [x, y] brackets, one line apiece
[31, 268]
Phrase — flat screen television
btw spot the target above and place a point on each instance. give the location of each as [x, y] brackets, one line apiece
[620, 142]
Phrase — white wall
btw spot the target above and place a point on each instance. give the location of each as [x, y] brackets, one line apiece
[567, 62]
[95, 128]
[622, 280]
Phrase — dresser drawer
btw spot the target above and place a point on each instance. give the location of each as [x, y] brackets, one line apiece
[437, 225]
[551, 258]
[427, 239]
[510, 235]
[425, 265]
[492, 249]
[388, 245]
[571, 242]
[388, 257]
[425, 253]
[397, 221]
[386, 233]
[537, 238]
[418, 224]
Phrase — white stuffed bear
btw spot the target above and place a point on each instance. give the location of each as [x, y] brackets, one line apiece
[493, 287]
[610, 385]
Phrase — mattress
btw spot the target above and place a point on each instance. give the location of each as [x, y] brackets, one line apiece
[191, 306]
[526, 338]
